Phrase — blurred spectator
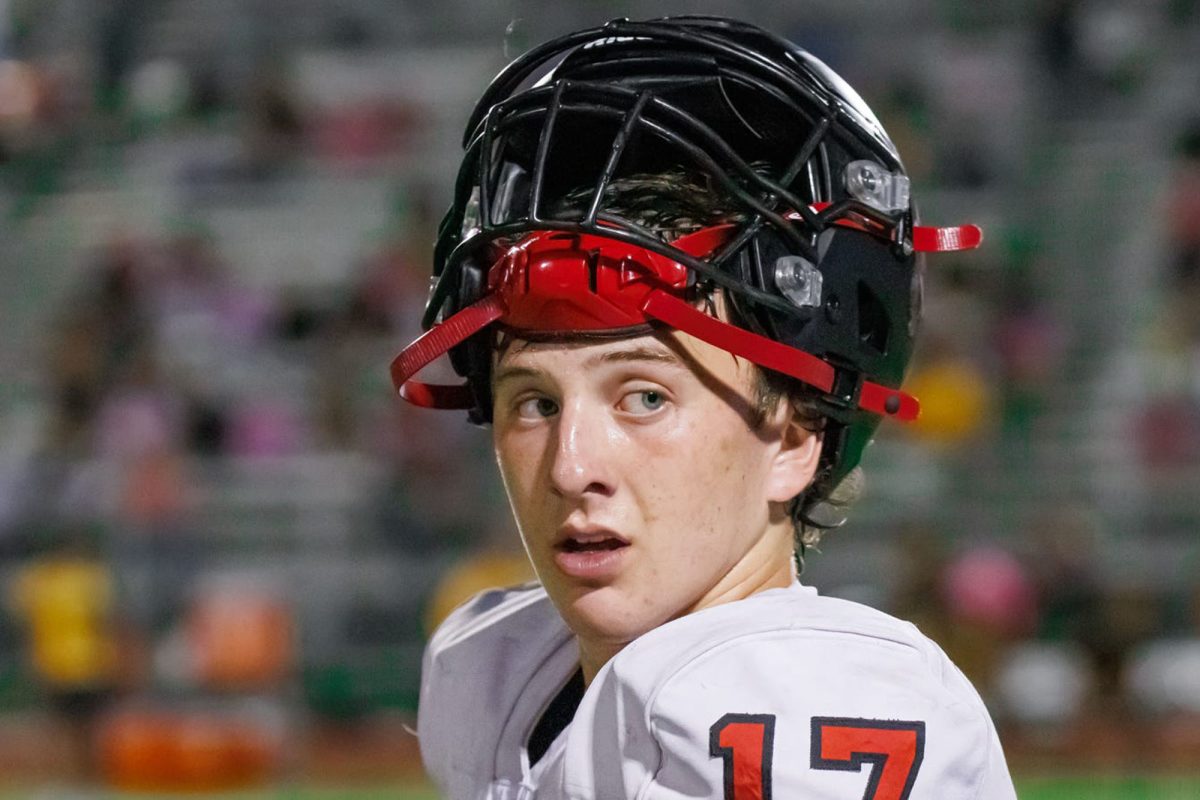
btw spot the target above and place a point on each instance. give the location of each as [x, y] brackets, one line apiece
[206, 425]
[206, 324]
[1096, 47]
[1104, 621]
[353, 338]
[1064, 553]
[1166, 426]
[274, 127]
[298, 317]
[266, 427]
[388, 293]
[1167, 432]
[955, 397]
[1029, 349]
[1042, 686]
[141, 413]
[120, 26]
[1059, 39]
[1129, 616]
[240, 635]
[194, 286]
[66, 598]
[1183, 207]
[1164, 680]
[77, 367]
[991, 603]
[270, 140]
[1116, 40]
[40, 123]
[921, 555]
[159, 90]
[103, 328]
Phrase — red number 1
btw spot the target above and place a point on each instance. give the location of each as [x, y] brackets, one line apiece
[893, 748]
[744, 742]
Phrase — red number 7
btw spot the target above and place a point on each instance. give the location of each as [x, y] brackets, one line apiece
[893, 748]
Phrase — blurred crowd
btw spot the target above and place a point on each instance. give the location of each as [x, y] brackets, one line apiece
[169, 387]
[226, 536]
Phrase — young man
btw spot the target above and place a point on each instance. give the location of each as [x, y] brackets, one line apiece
[680, 279]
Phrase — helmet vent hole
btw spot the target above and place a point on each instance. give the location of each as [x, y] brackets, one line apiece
[872, 320]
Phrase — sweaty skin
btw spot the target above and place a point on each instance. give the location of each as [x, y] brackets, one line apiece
[641, 488]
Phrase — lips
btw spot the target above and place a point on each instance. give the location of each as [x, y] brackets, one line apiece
[584, 543]
[592, 555]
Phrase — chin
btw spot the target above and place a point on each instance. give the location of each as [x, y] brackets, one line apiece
[606, 613]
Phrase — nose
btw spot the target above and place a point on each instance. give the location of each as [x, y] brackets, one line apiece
[582, 463]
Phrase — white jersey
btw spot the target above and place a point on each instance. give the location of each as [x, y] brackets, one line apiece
[785, 694]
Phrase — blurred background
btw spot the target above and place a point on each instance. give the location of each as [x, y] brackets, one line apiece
[223, 540]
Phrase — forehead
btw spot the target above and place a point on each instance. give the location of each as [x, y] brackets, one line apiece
[671, 348]
[666, 352]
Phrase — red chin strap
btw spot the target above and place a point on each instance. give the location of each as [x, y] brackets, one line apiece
[553, 282]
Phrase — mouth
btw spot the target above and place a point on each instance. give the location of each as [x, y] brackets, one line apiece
[591, 542]
[594, 557]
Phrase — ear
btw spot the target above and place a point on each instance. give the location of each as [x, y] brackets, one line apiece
[795, 463]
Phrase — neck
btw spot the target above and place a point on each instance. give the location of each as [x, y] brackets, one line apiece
[593, 655]
[770, 564]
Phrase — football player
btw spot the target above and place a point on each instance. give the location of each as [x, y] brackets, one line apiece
[681, 278]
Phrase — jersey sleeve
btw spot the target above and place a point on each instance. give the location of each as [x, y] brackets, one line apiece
[473, 670]
[818, 715]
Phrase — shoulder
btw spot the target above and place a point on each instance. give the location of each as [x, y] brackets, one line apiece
[477, 666]
[487, 648]
[813, 690]
[490, 616]
[776, 637]
[496, 630]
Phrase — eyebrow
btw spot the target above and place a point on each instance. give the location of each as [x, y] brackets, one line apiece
[634, 354]
[508, 373]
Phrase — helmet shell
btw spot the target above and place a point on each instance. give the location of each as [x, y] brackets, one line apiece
[773, 130]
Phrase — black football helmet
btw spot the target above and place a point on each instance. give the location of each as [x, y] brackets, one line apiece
[818, 259]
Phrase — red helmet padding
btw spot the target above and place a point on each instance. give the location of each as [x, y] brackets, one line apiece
[544, 283]
[552, 282]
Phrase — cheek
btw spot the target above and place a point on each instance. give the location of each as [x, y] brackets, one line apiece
[722, 479]
[517, 459]
[700, 479]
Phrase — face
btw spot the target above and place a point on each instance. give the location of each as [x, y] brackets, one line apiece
[642, 489]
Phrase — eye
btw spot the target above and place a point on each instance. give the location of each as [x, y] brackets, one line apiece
[646, 401]
[537, 408]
